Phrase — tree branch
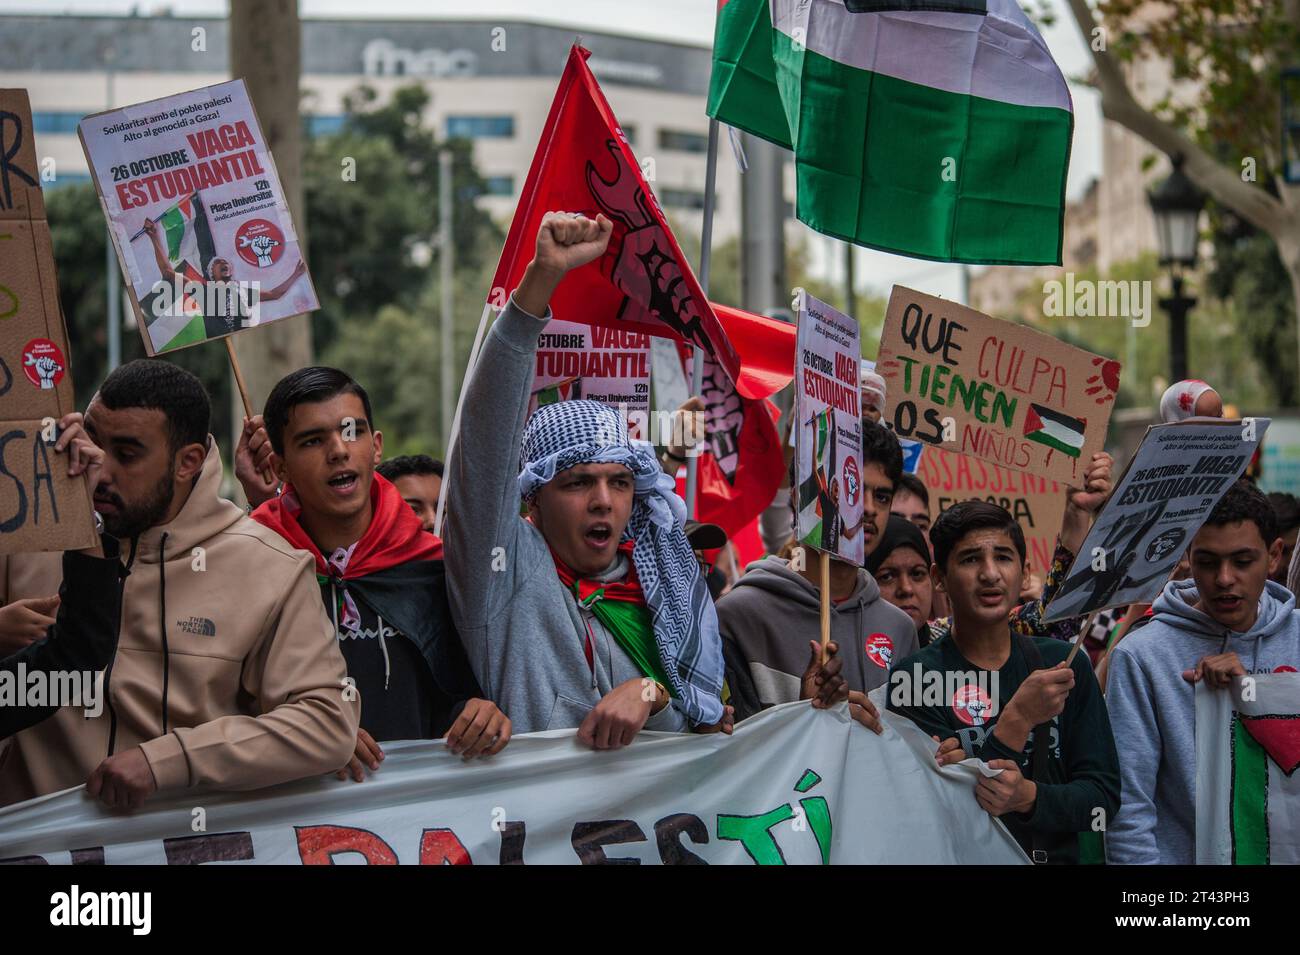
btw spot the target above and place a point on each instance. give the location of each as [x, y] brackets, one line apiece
[1118, 104]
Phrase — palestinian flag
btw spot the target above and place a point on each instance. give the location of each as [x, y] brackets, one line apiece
[822, 447]
[1248, 789]
[569, 389]
[187, 241]
[940, 135]
[1054, 429]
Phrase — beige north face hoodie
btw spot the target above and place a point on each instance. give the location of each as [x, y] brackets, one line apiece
[227, 671]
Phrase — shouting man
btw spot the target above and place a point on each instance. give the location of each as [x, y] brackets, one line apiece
[591, 612]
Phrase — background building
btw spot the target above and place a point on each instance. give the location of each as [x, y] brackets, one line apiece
[491, 82]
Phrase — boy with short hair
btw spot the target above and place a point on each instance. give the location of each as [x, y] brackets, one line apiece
[1009, 699]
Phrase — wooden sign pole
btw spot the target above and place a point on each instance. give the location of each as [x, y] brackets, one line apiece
[826, 600]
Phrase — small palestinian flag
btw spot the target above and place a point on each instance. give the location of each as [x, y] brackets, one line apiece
[1056, 430]
[569, 389]
[187, 241]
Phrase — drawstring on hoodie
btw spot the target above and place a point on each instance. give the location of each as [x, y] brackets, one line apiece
[383, 645]
[108, 671]
[162, 622]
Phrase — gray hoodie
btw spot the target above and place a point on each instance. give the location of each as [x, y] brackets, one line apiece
[1153, 714]
[770, 615]
[522, 628]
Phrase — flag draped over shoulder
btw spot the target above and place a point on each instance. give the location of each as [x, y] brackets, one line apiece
[643, 283]
[187, 242]
[935, 134]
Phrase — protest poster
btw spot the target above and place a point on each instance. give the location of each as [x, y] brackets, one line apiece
[1171, 484]
[197, 216]
[787, 788]
[594, 362]
[828, 420]
[1037, 504]
[1016, 397]
[41, 508]
[1247, 787]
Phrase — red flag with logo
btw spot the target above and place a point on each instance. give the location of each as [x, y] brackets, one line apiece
[742, 464]
[643, 282]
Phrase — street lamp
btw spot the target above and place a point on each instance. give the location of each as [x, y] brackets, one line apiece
[1176, 204]
[1291, 125]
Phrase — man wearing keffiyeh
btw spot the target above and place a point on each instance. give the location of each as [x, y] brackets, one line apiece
[591, 612]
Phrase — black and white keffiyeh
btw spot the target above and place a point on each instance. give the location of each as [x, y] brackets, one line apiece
[568, 433]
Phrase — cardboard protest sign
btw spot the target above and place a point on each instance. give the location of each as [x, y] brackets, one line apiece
[41, 508]
[828, 424]
[1037, 504]
[602, 364]
[1169, 488]
[197, 215]
[1006, 393]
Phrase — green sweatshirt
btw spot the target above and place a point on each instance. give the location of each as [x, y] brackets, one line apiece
[1083, 767]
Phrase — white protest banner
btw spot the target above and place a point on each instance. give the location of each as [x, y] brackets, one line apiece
[1007, 393]
[1247, 787]
[197, 215]
[793, 785]
[592, 362]
[829, 431]
[1173, 481]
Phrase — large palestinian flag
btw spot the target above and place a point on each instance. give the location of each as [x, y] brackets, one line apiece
[1247, 786]
[176, 321]
[918, 130]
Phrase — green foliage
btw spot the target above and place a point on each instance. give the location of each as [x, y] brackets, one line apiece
[364, 236]
[1248, 275]
[1217, 352]
[1234, 49]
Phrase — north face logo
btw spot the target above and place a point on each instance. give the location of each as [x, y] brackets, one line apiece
[197, 625]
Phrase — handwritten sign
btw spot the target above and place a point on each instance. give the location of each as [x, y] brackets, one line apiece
[41, 508]
[1169, 488]
[1008, 394]
[1037, 504]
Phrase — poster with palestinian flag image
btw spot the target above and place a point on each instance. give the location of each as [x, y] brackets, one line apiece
[828, 443]
[197, 215]
[1247, 784]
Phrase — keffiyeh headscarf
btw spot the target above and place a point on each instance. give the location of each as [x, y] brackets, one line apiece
[568, 433]
[1179, 400]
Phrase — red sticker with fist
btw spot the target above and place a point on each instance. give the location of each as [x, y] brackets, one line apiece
[972, 704]
[43, 363]
[880, 650]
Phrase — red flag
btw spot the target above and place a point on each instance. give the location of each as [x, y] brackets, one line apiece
[741, 468]
[643, 282]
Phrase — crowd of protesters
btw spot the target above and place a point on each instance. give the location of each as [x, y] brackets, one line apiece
[242, 648]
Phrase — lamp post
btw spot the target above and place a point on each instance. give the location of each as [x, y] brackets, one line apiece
[1291, 125]
[1176, 204]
